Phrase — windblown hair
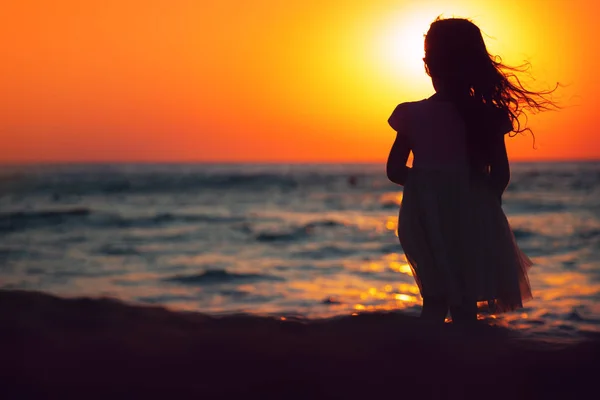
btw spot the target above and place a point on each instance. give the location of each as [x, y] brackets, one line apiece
[457, 58]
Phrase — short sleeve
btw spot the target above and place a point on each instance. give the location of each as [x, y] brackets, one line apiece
[398, 118]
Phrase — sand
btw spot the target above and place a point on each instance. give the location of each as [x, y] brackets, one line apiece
[55, 347]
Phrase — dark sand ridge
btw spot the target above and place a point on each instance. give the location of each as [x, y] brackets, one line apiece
[52, 347]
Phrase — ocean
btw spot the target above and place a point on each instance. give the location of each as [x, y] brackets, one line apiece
[304, 241]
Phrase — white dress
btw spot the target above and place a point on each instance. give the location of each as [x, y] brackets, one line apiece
[452, 227]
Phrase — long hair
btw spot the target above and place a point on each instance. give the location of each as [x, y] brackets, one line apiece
[486, 90]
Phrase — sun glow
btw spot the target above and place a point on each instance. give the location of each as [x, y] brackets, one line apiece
[395, 48]
[262, 81]
[401, 45]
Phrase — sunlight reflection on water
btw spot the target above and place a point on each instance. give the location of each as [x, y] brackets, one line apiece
[282, 240]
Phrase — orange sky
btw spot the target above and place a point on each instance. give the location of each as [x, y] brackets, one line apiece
[265, 80]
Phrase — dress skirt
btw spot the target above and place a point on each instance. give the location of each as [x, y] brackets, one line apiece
[458, 241]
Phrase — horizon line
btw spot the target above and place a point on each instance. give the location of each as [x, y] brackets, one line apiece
[246, 162]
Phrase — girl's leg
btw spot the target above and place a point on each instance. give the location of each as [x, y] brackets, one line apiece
[464, 313]
[434, 309]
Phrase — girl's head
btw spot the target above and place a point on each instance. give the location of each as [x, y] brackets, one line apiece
[459, 64]
[456, 57]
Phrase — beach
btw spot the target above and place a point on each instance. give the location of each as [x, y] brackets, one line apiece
[276, 281]
[103, 348]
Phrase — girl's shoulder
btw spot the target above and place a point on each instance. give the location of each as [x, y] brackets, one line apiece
[402, 113]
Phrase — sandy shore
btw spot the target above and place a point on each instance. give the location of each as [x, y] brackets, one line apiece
[97, 348]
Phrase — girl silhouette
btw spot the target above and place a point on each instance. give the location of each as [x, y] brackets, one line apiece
[451, 224]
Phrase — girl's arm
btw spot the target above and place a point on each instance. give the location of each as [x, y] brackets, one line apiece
[396, 168]
[499, 168]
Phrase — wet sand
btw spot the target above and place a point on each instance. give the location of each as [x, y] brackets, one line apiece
[54, 347]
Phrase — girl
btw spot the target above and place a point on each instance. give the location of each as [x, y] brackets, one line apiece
[451, 225]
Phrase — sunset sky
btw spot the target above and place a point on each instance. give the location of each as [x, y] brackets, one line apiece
[266, 80]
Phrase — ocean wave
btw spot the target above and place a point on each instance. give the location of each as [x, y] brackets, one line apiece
[118, 250]
[165, 298]
[575, 316]
[390, 248]
[589, 234]
[165, 218]
[324, 252]
[19, 220]
[523, 206]
[247, 297]
[16, 220]
[34, 271]
[250, 181]
[218, 276]
[523, 233]
[66, 184]
[324, 223]
[269, 237]
[296, 233]
[390, 205]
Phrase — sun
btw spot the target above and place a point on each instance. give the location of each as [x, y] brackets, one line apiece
[399, 46]
[404, 45]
